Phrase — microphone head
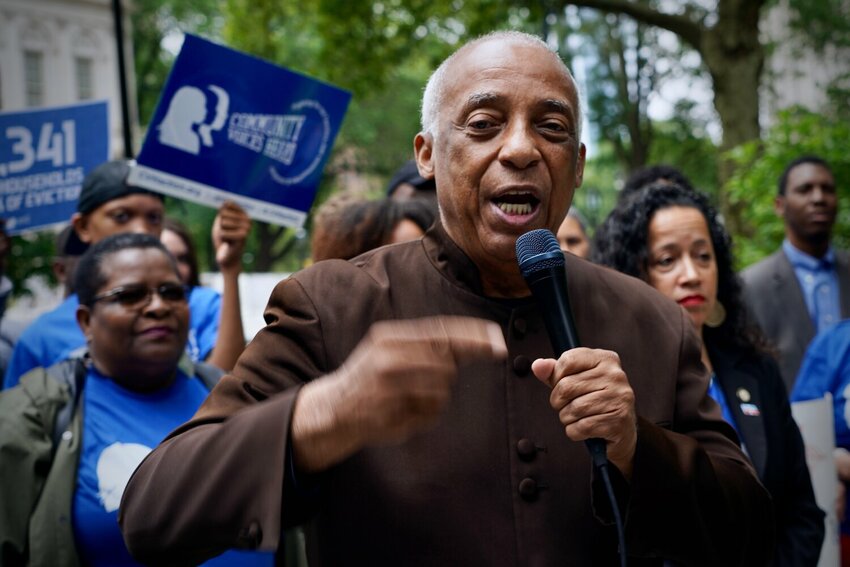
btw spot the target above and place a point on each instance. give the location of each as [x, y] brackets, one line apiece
[538, 250]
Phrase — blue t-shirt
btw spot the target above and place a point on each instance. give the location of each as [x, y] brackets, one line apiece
[826, 368]
[120, 427]
[45, 341]
[55, 334]
[204, 313]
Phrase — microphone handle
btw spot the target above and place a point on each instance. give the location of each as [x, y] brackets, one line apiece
[549, 288]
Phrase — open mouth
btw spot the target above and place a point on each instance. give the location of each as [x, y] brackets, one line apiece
[517, 203]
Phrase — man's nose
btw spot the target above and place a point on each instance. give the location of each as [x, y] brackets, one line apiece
[519, 148]
[818, 195]
[140, 226]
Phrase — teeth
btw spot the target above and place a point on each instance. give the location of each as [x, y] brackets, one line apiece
[516, 208]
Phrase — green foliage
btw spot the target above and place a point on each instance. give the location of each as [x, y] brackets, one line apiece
[600, 188]
[383, 51]
[380, 126]
[31, 255]
[821, 23]
[152, 21]
[363, 42]
[754, 185]
[682, 143]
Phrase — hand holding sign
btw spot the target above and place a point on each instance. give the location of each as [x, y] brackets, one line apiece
[229, 233]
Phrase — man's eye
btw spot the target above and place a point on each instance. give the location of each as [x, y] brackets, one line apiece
[553, 127]
[480, 124]
[120, 217]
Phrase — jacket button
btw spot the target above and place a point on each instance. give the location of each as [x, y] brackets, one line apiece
[522, 365]
[528, 489]
[520, 328]
[526, 450]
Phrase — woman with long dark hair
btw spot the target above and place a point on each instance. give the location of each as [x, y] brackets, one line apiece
[672, 238]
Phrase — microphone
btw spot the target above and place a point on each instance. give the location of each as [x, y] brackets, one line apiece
[541, 263]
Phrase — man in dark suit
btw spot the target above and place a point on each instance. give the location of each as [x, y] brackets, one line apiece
[804, 287]
[390, 402]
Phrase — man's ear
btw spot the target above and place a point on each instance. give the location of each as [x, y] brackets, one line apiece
[84, 320]
[779, 206]
[423, 145]
[80, 222]
[582, 154]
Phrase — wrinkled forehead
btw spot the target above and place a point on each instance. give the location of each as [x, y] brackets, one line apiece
[480, 63]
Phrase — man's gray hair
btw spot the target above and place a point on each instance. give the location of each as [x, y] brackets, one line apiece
[432, 98]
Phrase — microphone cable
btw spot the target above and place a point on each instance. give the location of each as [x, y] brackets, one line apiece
[541, 263]
[601, 465]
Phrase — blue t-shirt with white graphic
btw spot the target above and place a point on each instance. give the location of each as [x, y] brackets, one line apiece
[120, 427]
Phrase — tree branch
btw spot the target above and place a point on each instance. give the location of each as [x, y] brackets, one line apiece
[681, 25]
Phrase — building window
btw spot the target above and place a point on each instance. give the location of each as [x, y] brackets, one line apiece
[85, 81]
[34, 78]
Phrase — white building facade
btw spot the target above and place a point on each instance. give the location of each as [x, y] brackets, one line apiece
[794, 74]
[59, 52]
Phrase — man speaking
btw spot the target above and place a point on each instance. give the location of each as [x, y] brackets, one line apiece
[390, 404]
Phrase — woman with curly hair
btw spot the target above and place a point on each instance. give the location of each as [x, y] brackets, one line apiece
[671, 237]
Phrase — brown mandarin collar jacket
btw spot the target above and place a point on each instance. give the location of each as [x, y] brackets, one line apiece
[496, 481]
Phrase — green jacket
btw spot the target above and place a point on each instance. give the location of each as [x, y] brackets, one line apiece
[37, 485]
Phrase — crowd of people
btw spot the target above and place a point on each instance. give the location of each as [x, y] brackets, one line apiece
[402, 405]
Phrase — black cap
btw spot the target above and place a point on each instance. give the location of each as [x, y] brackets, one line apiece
[106, 182]
[409, 173]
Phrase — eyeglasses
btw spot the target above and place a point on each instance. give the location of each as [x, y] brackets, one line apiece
[136, 296]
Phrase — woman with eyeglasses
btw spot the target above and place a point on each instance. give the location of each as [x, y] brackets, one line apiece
[672, 238]
[71, 435]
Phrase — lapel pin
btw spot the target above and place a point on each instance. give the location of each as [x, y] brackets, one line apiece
[743, 394]
[751, 410]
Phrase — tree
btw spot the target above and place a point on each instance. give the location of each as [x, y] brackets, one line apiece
[383, 50]
[152, 21]
[728, 41]
[618, 87]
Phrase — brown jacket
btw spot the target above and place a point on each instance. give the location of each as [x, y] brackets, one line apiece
[496, 481]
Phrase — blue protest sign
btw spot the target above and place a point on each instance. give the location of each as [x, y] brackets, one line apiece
[231, 126]
[44, 156]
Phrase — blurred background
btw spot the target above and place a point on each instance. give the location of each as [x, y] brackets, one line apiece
[726, 90]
